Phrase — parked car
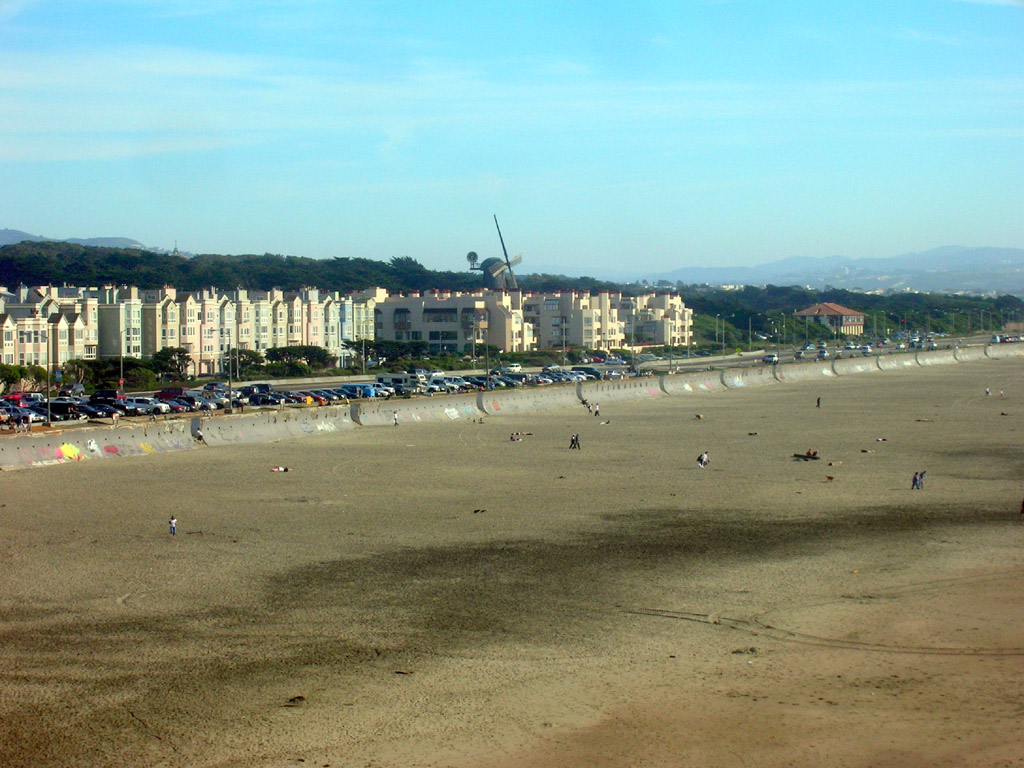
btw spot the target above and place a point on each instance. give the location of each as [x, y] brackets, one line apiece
[108, 396]
[25, 413]
[124, 408]
[92, 412]
[219, 398]
[66, 411]
[148, 404]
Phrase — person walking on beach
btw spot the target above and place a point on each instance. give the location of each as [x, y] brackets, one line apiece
[914, 484]
[703, 460]
[597, 409]
[818, 404]
[173, 523]
[920, 479]
[394, 416]
[574, 442]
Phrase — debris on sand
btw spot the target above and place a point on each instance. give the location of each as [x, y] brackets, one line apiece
[478, 511]
[295, 701]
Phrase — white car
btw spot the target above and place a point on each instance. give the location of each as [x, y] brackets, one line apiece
[148, 404]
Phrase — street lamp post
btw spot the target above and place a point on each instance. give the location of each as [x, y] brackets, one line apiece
[229, 407]
[562, 319]
[46, 339]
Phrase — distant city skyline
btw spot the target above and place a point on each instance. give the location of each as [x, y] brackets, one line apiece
[707, 133]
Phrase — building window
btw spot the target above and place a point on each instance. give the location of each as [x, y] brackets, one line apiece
[440, 315]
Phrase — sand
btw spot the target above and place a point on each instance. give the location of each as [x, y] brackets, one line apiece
[437, 595]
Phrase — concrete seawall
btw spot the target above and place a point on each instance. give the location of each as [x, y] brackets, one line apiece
[61, 446]
[1001, 351]
[969, 354]
[528, 399]
[849, 365]
[691, 383]
[738, 378]
[265, 426]
[936, 356]
[105, 442]
[444, 408]
[624, 389]
[803, 372]
[899, 361]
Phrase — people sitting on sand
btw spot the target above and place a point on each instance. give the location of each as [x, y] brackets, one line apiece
[280, 469]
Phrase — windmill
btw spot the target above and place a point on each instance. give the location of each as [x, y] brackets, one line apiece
[498, 273]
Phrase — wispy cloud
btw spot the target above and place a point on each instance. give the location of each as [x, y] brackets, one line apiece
[11, 8]
[925, 36]
[1017, 3]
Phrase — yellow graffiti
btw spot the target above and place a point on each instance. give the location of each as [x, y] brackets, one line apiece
[69, 451]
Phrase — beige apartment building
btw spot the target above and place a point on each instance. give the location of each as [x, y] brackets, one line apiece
[50, 325]
[47, 325]
[454, 322]
[514, 321]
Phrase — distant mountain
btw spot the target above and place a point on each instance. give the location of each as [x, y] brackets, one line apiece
[12, 236]
[950, 269]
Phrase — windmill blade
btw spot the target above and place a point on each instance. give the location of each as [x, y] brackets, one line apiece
[515, 261]
[501, 238]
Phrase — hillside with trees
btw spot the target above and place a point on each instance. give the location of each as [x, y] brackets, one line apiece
[58, 263]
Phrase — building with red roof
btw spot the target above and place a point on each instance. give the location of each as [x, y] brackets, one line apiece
[839, 319]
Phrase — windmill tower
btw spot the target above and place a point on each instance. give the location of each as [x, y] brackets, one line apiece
[498, 275]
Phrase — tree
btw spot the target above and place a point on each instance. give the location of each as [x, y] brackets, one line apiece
[312, 356]
[11, 376]
[247, 361]
[175, 361]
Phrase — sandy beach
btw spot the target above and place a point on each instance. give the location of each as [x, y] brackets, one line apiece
[439, 595]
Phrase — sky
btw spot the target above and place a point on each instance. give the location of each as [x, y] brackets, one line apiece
[624, 138]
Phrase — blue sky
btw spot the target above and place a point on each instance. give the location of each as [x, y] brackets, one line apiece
[630, 139]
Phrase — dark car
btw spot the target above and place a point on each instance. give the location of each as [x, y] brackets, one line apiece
[125, 409]
[94, 411]
[103, 410]
[107, 396]
[66, 411]
[264, 399]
